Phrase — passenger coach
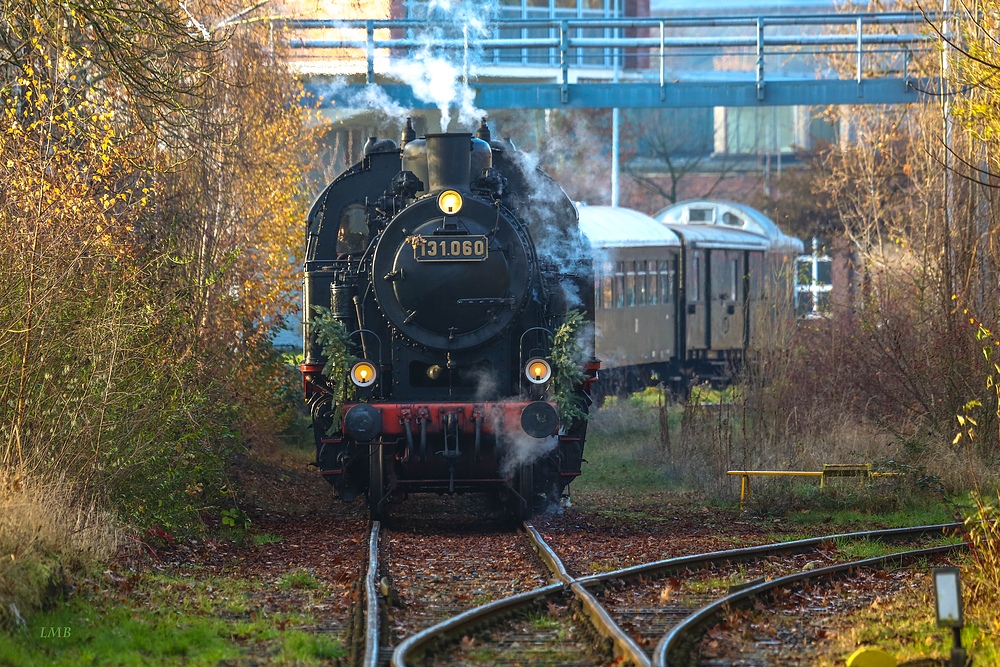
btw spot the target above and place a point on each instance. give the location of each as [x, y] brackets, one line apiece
[682, 296]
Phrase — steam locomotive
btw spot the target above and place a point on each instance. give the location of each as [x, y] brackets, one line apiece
[448, 329]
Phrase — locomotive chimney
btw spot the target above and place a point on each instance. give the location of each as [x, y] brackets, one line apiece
[408, 135]
[484, 131]
[449, 161]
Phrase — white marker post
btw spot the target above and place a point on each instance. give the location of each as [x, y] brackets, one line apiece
[948, 608]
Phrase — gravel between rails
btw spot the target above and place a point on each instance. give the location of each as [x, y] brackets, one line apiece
[442, 556]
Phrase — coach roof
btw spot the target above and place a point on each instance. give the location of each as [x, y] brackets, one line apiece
[616, 227]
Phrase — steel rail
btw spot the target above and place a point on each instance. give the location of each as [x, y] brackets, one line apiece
[371, 602]
[625, 646]
[419, 641]
[603, 623]
[681, 632]
[749, 553]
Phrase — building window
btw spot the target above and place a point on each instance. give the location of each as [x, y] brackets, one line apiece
[754, 130]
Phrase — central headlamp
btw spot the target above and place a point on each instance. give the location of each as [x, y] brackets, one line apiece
[450, 202]
[363, 374]
[538, 371]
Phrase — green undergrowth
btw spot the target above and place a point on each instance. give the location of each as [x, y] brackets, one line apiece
[623, 450]
[852, 550]
[913, 634]
[157, 619]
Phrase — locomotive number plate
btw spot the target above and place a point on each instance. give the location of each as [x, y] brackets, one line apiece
[449, 248]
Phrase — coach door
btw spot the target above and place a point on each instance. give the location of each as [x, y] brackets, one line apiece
[696, 299]
[757, 324]
[726, 299]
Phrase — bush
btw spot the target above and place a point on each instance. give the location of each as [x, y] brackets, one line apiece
[983, 528]
[48, 540]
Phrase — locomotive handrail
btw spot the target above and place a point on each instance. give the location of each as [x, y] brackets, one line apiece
[364, 351]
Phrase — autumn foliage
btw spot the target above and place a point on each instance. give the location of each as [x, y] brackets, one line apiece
[150, 156]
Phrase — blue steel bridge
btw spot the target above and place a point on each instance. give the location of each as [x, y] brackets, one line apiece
[735, 61]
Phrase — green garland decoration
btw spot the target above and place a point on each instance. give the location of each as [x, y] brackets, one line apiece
[567, 372]
[335, 344]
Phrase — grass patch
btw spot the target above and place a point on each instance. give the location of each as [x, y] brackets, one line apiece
[543, 622]
[874, 502]
[47, 541]
[714, 585]
[623, 451]
[862, 549]
[928, 514]
[912, 633]
[171, 620]
[298, 579]
[260, 539]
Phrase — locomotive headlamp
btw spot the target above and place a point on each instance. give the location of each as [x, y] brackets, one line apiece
[450, 202]
[363, 374]
[538, 371]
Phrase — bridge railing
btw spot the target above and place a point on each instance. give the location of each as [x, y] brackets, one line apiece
[752, 48]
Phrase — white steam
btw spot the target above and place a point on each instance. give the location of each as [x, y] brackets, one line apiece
[370, 98]
[521, 449]
[439, 70]
[437, 80]
[557, 238]
[486, 386]
[439, 74]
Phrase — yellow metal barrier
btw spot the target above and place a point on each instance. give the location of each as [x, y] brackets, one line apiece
[829, 470]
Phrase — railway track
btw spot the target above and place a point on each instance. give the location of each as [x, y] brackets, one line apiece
[688, 594]
[675, 647]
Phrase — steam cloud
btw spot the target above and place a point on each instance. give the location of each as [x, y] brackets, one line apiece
[440, 76]
[556, 240]
[521, 449]
[372, 98]
[437, 73]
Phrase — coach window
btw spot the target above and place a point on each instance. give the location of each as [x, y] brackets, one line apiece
[701, 214]
[652, 293]
[630, 284]
[666, 282]
[734, 276]
[640, 284]
[353, 229]
[620, 285]
[607, 287]
[695, 283]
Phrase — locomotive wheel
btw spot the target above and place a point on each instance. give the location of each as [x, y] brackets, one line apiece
[376, 484]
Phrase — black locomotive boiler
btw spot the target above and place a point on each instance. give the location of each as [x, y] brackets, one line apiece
[448, 338]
